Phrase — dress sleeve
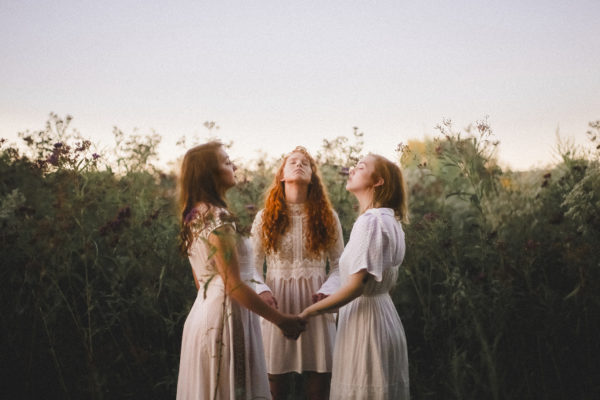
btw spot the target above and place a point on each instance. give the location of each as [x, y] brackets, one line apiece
[258, 254]
[332, 284]
[366, 246]
[215, 219]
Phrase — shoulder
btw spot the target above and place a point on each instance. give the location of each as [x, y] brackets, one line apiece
[365, 222]
[376, 218]
[205, 219]
[258, 217]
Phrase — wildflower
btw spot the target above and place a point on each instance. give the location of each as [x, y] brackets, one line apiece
[58, 145]
[95, 156]
[250, 207]
[84, 145]
[430, 217]
[190, 216]
[53, 159]
[345, 171]
[124, 213]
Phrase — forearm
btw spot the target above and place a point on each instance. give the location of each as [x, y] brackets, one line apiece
[245, 296]
[351, 290]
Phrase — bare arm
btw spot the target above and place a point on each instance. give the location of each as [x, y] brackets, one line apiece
[223, 240]
[353, 288]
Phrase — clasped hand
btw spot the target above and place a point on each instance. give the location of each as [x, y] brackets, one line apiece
[292, 326]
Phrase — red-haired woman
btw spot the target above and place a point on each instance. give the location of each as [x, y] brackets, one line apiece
[296, 233]
[221, 351]
[370, 357]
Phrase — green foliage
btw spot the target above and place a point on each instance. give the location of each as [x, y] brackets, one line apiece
[499, 293]
[94, 292]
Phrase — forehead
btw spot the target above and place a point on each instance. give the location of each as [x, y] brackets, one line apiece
[368, 160]
[296, 155]
[222, 154]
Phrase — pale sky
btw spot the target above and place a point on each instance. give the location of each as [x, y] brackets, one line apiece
[276, 74]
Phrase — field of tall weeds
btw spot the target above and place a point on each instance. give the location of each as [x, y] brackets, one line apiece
[499, 293]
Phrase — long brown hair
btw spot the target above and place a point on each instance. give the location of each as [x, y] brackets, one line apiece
[392, 194]
[321, 233]
[199, 182]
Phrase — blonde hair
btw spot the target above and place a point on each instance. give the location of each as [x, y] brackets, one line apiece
[392, 194]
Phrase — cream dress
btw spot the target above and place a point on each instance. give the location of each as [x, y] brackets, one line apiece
[221, 349]
[370, 357]
[294, 275]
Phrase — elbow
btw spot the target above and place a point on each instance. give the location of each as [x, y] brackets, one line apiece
[358, 291]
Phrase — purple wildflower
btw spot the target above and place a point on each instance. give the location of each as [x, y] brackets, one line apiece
[190, 216]
[53, 159]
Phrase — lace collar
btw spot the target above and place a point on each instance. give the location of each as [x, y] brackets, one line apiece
[295, 208]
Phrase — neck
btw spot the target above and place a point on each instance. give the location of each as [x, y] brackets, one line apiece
[296, 192]
[365, 199]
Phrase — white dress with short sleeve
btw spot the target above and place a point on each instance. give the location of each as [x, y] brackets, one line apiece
[370, 357]
[294, 275]
[221, 349]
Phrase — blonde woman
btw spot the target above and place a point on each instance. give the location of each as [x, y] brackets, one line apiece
[370, 357]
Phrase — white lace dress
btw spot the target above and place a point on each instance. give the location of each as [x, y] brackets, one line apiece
[221, 349]
[370, 357]
[293, 275]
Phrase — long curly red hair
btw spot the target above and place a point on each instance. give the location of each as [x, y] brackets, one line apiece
[321, 232]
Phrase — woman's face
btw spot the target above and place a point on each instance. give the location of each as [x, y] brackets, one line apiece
[226, 169]
[297, 169]
[360, 177]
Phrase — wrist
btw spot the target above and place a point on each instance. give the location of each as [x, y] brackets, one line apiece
[278, 318]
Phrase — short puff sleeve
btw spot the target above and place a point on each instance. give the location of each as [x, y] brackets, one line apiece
[366, 245]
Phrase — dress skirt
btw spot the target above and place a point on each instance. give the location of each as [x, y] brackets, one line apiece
[370, 359]
[221, 352]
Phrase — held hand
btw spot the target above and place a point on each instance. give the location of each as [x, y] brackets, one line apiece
[318, 297]
[268, 298]
[304, 315]
[292, 326]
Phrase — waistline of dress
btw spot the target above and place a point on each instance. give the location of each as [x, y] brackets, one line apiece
[373, 295]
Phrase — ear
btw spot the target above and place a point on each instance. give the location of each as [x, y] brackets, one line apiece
[379, 182]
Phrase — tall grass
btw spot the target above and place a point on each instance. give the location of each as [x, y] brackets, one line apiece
[499, 294]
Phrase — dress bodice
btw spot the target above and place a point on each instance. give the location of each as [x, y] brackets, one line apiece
[293, 260]
[201, 252]
[376, 244]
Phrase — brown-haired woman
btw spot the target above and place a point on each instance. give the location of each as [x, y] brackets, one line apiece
[370, 357]
[296, 233]
[221, 351]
